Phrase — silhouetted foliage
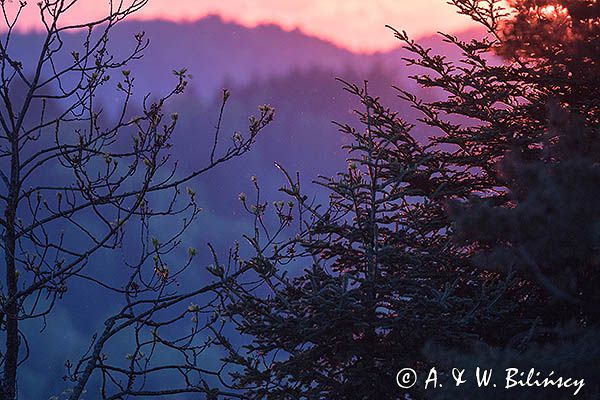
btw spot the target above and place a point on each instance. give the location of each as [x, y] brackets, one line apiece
[381, 278]
[81, 190]
[547, 227]
[476, 246]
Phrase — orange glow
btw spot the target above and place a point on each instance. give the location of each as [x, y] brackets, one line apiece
[355, 24]
[553, 11]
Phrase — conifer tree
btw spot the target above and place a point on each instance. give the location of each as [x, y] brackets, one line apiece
[381, 276]
[385, 273]
[547, 228]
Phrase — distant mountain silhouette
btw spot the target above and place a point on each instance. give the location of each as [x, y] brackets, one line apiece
[220, 53]
[290, 70]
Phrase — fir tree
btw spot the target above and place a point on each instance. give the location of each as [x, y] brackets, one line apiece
[382, 277]
[388, 280]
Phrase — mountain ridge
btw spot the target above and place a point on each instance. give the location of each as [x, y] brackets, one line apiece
[222, 53]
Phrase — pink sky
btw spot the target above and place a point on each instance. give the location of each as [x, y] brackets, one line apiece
[354, 24]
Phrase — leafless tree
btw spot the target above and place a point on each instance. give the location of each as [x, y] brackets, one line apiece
[78, 185]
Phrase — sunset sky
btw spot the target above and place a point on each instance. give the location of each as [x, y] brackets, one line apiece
[355, 24]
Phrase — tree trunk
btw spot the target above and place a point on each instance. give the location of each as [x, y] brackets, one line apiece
[8, 387]
[9, 379]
